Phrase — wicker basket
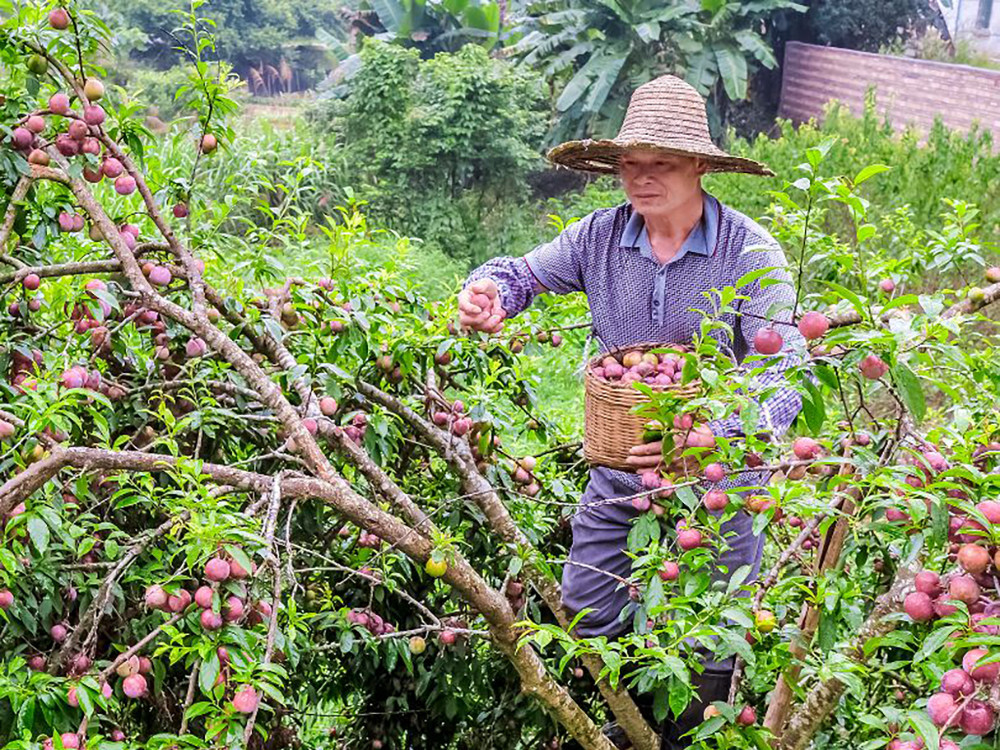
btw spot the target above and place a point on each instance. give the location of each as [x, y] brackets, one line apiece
[611, 428]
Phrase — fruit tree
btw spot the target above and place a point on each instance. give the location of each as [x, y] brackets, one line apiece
[223, 504]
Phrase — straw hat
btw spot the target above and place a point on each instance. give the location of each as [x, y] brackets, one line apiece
[665, 114]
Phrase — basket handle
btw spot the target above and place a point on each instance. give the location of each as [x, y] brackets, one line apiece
[593, 334]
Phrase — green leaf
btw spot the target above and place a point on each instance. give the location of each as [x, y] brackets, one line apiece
[86, 702]
[933, 643]
[7, 559]
[39, 533]
[199, 709]
[701, 70]
[923, 726]
[910, 390]
[733, 70]
[710, 727]
[648, 32]
[208, 672]
[903, 299]
[813, 407]
[850, 296]
[240, 556]
[751, 276]
[870, 171]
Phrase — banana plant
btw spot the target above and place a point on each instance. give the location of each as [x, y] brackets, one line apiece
[601, 50]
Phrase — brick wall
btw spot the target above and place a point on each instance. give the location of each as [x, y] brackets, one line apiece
[913, 92]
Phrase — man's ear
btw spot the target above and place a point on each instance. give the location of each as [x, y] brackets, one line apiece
[702, 167]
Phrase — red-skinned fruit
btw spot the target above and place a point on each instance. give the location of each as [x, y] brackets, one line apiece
[217, 569]
[942, 709]
[125, 184]
[984, 672]
[210, 620]
[928, 582]
[156, 597]
[22, 138]
[813, 325]
[767, 341]
[237, 571]
[94, 115]
[688, 539]
[715, 500]
[203, 597]
[919, 606]
[964, 588]
[872, 367]
[233, 609]
[715, 472]
[59, 20]
[977, 718]
[670, 571]
[134, 686]
[957, 682]
[806, 449]
[973, 558]
[245, 701]
[35, 123]
[59, 103]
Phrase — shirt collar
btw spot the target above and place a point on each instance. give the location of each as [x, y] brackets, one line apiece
[701, 240]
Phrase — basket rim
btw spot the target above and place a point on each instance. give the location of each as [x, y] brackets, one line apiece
[645, 346]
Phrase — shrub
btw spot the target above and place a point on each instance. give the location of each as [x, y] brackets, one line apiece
[441, 148]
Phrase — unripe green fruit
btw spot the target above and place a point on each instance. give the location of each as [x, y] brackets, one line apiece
[38, 65]
[766, 621]
[417, 645]
[436, 568]
[94, 89]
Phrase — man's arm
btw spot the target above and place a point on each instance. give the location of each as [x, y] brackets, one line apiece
[779, 410]
[504, 287]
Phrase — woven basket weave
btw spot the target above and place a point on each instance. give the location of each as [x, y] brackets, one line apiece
[611, 428]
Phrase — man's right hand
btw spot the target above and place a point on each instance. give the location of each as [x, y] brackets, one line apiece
[479, 307]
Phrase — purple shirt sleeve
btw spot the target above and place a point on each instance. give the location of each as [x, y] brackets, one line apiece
[514, 281]
[558, 266]
[778, 411]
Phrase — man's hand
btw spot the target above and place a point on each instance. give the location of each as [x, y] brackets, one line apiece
[479, 307]
[649, 456]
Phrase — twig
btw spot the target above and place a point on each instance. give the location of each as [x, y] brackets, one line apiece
[189, 698]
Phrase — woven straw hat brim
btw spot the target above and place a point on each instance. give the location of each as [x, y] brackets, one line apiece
[602, 156]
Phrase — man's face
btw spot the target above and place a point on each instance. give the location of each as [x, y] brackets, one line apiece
[657, 183]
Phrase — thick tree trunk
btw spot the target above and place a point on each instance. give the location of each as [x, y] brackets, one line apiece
[474, 484]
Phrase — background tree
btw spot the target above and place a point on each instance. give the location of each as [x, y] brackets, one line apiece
[442, 146]
[597, 53]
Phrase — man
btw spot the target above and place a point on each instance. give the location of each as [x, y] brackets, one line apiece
[644, 266]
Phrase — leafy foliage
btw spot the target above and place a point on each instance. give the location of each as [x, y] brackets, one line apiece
[599, 52]
[177, 452]
[852, 24]
[257, 34]
[438, 146]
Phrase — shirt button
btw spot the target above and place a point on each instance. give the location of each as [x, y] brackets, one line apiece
[656, 303]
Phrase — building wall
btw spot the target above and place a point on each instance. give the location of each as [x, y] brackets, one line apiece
[912, 92]
[964, 23]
